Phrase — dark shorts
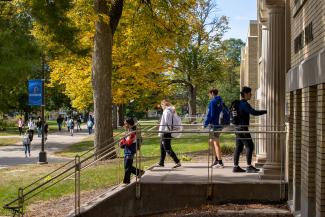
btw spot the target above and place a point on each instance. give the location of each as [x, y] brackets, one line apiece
[215, 132]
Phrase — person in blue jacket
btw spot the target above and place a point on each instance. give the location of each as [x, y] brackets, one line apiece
[212, 120]
[245, 110]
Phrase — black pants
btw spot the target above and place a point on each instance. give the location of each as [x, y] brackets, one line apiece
[241, 140]
[20, 130]
[129, 168]
[165, 147]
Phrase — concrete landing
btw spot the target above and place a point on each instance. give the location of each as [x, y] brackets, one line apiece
[198, 173]
[164, 189]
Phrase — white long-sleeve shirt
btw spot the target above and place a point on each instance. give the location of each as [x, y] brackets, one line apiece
[166, 120]
[31, 125]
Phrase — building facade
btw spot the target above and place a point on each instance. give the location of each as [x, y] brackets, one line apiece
[290, 84]
[249, 60]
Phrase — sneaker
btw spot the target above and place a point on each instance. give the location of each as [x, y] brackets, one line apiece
[219, 165]
[124, 184]
[251, 169]
[214, 163]
[140, 173]
[159, 165]
[177, 165]
[238, 169]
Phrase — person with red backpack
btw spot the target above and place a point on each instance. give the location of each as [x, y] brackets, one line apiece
[212, 119]
[129, 144]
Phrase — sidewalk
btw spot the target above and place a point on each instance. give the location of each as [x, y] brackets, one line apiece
[14, 154]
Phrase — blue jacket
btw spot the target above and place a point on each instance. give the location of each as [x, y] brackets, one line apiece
[214, 109]
[245, 110]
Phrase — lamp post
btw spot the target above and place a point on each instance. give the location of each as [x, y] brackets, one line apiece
[42, 158]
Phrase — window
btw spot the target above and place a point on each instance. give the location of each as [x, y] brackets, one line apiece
[299, 42]
[309, 37]
[297, 5]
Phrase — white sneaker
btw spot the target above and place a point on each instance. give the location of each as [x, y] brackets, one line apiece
[219, 166]
[177, 165]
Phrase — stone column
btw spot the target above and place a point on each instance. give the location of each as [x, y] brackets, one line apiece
[275, 98]
[320, 165]
[297, 107]
[261, 149]
[308, 151]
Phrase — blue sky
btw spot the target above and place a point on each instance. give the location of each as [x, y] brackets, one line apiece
[239, 13]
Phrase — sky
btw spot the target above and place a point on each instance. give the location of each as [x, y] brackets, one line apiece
[239, 13]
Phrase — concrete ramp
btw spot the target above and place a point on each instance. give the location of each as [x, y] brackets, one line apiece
[164, 189]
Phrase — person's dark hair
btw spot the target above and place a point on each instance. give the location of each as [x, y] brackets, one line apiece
[214, 92]
[245, 90]
[130, 121]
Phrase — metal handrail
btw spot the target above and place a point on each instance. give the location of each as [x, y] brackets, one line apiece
[82, 164]
[70, 170]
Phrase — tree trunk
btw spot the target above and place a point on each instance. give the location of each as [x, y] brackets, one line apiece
[102, 69]
[114, 116]
[121, 115]
[192, 101]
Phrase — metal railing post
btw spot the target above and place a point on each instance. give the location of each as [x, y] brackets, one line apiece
[209, 188]
[77, 185]
[138, 165]
[21, 200]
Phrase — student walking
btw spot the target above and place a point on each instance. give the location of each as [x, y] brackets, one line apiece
[244, 110]
[78, 123]
[71, 126]
[20, 125]
[26, 144]
[90, 124]
[129, 146]
[212, 119]
[59, 121]
[39, 127]
[31, 129]
[165, 126]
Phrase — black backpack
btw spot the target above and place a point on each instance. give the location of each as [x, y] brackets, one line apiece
[234, 112]
[224, 116]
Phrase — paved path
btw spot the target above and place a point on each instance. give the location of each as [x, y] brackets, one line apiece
[14, 154]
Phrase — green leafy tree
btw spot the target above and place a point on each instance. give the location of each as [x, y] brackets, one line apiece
[19, 55]
[198, 63]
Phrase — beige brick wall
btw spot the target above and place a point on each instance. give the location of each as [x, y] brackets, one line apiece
[296, 131]
[289, 149]
[308, 151]
[312, 11]
[320, 165]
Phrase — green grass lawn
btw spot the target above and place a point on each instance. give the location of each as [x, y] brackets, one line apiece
[9, 141]
[100, 176]
[151, 146]
[10, 131]
[13, 131]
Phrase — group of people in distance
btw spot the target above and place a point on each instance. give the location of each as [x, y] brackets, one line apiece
[70, 122]
[212, 120]
[29, 134]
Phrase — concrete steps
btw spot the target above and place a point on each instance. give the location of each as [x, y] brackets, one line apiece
[163, 190]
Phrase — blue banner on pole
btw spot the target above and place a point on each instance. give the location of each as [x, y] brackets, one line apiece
[35, 92]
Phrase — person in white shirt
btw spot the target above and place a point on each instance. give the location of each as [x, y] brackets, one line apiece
[165, 134]
[31, 128]
[20, 125]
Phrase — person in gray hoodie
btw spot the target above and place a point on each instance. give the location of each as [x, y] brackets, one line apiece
[165, 134]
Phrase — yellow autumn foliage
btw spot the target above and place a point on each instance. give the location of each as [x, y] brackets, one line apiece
[142, 48]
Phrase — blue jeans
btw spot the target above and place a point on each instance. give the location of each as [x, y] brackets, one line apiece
[39, 131]
[90, 130]
[27, 148]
